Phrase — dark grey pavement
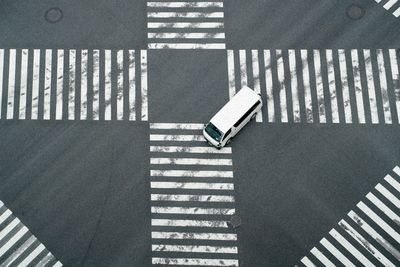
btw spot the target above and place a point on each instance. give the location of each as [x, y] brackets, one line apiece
[82, 187]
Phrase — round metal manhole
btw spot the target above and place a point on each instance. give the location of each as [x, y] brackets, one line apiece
[355, 12]
[53, 15]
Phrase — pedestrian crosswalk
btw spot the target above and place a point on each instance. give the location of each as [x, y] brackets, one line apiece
[320, 86]
[391, 5]
[18, 247]
[191, 24]
[369, 235]
[192, 196]
[73, 84]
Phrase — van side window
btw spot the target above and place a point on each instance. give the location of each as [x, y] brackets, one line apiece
[247, 114]
[227, 133]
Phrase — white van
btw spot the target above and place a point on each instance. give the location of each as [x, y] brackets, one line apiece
[232, 117]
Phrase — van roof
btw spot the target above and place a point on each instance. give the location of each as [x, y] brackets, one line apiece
[232, 111]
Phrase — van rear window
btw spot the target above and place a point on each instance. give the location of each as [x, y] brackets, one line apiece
[213, 132]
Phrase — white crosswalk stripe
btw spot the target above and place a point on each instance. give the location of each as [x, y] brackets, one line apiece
[372, 238]
[247, 78]
[324, 99]
[392, 5]
[73, 88]
[18, 245]
[190, 207]
[185, 25]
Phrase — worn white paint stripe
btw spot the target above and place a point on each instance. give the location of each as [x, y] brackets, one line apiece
[397, 170]
[384, 87]
[132, 86]
[379, 221]
[186, 46]
[5, 215]
[307, 86]
[345, 86]
[32, 256]
[177, 126]
[192, 198]
[282, 91]
[60, 84]
[144, 89]
[294, 85]
[397, 12]
[23, 84]
[1, 78]
[392, 182]
[365, 244]
[243, 68]
[35, 84]
[120, 85]
[319, 87]
[395, 218]
[11, 242]
[306, 261]
[321, 257]
[386, 193]
[231, 73]
[169, 137]
[107, 84]
[200, 186]
[45, 260]
[269, 86]
[256, 80]
[96, 84]
[198, 236]
[192, 210]
[188, 223]
[72, 84]
[47, 84]
[11, 84]
[357, 86]
[186, 35]
[332, 86]
[389, 4]
[335, 252]
[84, 81]
[377, 237]
[186, 4]
[195, 262]
[395, 77]
[163, 14]
[15, 255]
[193, 149]
[189, 25]
[57, 264]
[371, 86]
[9, 227]
[191, 173]
[194, 249]
[191, 161]
[346, 244]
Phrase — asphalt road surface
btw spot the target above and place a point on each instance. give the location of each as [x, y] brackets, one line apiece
[102, 158]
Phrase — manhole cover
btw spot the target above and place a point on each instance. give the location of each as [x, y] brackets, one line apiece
[235, 221]
[53, 15]
[355, 12]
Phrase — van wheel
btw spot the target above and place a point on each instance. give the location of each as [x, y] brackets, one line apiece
[229, 140]
[254, 115]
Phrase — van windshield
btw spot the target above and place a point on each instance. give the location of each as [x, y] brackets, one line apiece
[213, 132]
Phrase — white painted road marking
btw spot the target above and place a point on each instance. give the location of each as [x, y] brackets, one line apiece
[12, 248]
[353, 240]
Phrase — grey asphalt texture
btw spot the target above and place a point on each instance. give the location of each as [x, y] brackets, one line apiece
[82, 187]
